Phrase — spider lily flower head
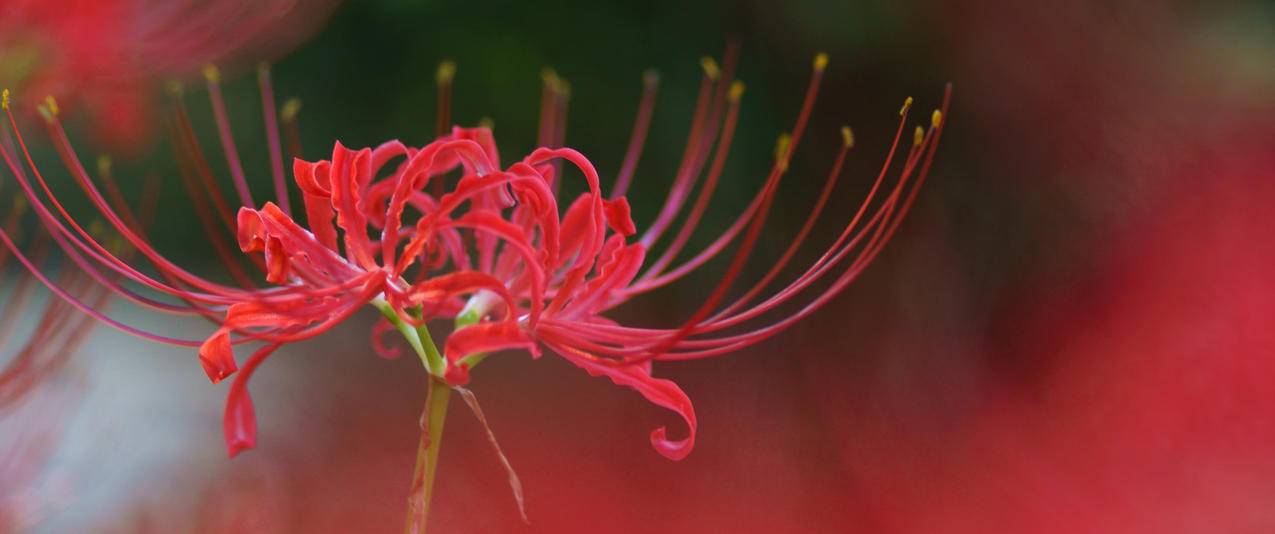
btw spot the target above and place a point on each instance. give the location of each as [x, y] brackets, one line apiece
[100, 56]
[499, 252]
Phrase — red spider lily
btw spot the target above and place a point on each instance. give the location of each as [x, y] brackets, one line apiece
[493, 252]
[99, 55]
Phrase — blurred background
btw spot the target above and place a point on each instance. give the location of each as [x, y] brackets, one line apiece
[1071, 332]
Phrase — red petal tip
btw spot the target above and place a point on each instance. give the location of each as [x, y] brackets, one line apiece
[217, 358]
[234, 448]
[619, 216]
[673, 450]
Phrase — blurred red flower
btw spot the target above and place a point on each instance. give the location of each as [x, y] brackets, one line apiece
[103, 56]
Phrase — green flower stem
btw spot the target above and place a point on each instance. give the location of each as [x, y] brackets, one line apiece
[427, 456]
[418, 337]
[436, 400]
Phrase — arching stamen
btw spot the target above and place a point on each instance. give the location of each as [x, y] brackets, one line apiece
[443, 112]
[651, 279]
[213, 77]
[637, 139]
[291, 129]
[710, 184]
[272, 138]
[829, 184]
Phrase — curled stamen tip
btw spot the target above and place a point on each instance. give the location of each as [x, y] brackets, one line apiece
[710, 67]
[212, 74]
[446, 72]
[52, 104]
[821, 61]
[103, 164]
[650, 77]
[4, 99]
[907, 103]
[847, 136]
[936, 118]
[290, 109]
[736, 90]
[781, 150]
[918, 136]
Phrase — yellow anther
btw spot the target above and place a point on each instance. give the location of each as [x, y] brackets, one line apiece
[847, 136]
[821, 61]
[52, 103]
[4, 99]
[487, 122]
[212, 74]
[736, 90]
[936, 118]
[97, 228]
[44, 112]
[290, 109]
[907, 103]
[549, 77]
[650, 77]
[103, 165]
[554, 82]
[710, 67]
[781, 150]
[918, 136]
[174, 87]
[446, 72]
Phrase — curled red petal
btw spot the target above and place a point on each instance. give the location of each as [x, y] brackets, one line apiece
[250, 232]
[484, 337]
[619, 216]
[378, 340]
[239, 421]
[312, 178]
[618, 270]
[216, 356]
[660, 391]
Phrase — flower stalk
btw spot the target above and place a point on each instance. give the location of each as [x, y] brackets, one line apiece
[433, 419]
[434, 416]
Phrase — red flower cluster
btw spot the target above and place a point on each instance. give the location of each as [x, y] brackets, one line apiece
[494, 251]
